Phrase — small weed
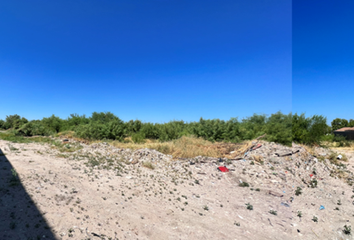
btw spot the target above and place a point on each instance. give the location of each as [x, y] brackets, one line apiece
[237, 224]
[339, 202]
[315, 219]
[206, 208]
[298, 191]
[273, 212]
[313, 183]
[244, 184]
[249, 206]
[299, 214]
[347, 230]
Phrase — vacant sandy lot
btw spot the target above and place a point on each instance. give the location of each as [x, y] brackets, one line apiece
[102, 192]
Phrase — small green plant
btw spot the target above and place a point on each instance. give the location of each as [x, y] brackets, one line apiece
[298, 191]
[249, 206]
[313, 183]
[299, 214]
[206, 208]
[237, 224]
[273, 212]
[336, 209]
[315, 219]
[347, 230]
[257, 189]
[339, 202]
[244, 184]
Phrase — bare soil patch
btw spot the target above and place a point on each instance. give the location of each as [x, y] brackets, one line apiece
[100, 191]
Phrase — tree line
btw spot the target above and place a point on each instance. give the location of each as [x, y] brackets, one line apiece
[106, 125]
[278, 127]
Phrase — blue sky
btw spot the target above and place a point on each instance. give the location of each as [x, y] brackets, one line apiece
[323, 58]
[156, 60]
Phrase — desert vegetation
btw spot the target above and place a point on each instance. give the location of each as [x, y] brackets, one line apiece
[107, 126]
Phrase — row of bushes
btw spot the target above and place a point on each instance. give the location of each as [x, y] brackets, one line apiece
[108, 126]
[279, 127]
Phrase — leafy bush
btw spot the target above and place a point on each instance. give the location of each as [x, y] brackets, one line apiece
[308, 130]
[105, 125]
[138, 137]
[14, 121]
[34, 128]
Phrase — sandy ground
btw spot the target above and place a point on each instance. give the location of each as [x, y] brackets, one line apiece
[98, 193]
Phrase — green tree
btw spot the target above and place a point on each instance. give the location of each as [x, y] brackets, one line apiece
[339, 123]
[351, 123]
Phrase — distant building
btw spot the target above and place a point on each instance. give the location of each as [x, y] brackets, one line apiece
[347, 132]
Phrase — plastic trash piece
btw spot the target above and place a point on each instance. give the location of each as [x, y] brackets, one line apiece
[322, 207]
[256, 147]
[223, 169]
[285, 204]
[339, 157]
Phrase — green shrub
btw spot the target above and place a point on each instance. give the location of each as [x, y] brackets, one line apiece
[138, 137]
[308, 130]
[34, 128]
[2, 124]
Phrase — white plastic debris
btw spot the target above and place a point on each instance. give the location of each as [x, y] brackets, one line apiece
[339, 157]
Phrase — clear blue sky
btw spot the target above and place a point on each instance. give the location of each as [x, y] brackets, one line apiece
[155, 60]
[323, 58]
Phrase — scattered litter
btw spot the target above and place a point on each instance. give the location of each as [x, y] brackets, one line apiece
[223, 169]
[257, 146]
[322, 207]
[275, 193]
[339, 157]
[285, 204]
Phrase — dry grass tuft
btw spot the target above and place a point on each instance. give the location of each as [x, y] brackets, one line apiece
[309, 149]
[184, 147]
[258, 158]
[148, 165]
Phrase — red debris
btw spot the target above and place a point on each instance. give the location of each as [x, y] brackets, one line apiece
[258, 146]
[223, 169]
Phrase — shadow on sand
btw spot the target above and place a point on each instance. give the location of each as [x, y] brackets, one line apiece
[19, 216]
